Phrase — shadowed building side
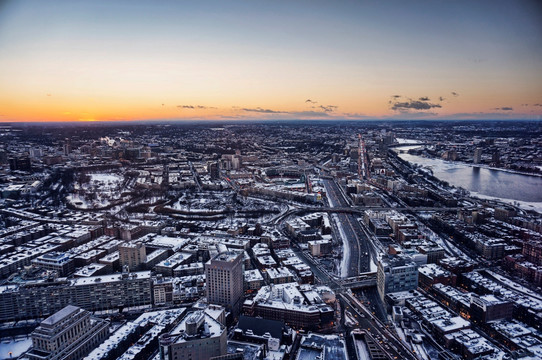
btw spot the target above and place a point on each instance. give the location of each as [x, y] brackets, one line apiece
[68, 334]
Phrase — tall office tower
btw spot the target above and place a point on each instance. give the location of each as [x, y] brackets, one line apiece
[70, 333]
[396, 274]
[477, 156]
[496, 158]
[67, 146]
[132, 255]
[224, 280]
[20, 163]
[214, 170]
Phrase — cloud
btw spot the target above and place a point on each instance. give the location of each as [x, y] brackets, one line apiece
[454, 94]
[329, 108]
[266, 111]
[414, 105]
[286, 114]
[396, 96]
[440, 98]
[537, 104]
[524, 104]
[424, 98]
[504, 108]
[192, 107]
[311, 102]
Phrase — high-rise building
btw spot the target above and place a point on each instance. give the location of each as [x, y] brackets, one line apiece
[67, 146]
[197, 337]
[224, 280]
[132, 255]
[20, 163]
[477, 156]
[3, 156]
[36, 153]
[496, 158]
[396, 273]
[70, 333]
[214, 170]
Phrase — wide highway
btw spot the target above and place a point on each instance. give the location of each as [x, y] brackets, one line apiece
[356, 239]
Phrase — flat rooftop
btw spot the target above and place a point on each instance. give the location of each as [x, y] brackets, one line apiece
[227, 256]
[60, 315]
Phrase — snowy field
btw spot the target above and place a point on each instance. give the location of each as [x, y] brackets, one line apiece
[99, 191]
[107, 180]
[12, 348]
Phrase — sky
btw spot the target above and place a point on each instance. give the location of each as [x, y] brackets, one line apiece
[284, 59]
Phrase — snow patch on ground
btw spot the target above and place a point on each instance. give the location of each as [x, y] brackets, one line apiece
[15, 346]
[446, 245]
[407, 141]
[106, 178]
[361, 349]
[420, 351]
[349, 319]
[515, 285]
[401, 334]
[373, 267]
[79, 201]
[525, 205]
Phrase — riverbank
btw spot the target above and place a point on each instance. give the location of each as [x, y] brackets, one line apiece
[412, 145]
[484, 183]
[524, 205]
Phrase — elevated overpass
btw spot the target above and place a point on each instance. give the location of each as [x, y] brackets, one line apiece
[363, 281]
[359, 210]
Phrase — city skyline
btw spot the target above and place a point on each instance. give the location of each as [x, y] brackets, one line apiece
[115, 60]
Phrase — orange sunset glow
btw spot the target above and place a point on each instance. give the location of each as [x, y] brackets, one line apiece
[99, 61]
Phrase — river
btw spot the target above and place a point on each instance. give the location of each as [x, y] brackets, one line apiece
[479, 180]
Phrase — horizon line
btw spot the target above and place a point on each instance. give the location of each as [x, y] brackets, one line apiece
[78, 122]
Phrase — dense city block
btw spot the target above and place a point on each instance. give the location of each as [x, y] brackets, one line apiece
[271, 240]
